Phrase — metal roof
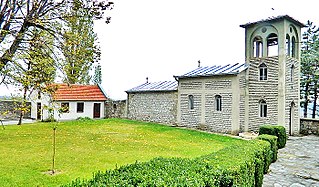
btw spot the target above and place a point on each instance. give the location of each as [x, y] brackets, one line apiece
[215, 70]
[272, 19]
[155, 86]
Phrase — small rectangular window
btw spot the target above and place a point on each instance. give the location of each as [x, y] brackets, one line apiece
[191, 102]
[65, 107]
[262, 72]
[218, 100]
[263, 110]
[80, 107]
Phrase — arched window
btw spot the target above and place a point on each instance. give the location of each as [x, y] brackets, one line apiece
[218, 101]
[262, 108]
[258, 46]
[272, 45]
[262, 72]
[288, 45]
[191, 102]
[293, 46]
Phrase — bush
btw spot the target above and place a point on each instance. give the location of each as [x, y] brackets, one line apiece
[239, 165]
[84, 119]
[273, 144]
[275, 130]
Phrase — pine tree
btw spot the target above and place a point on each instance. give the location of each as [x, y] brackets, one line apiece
[79, 49]
[97, 78]
[309, 82]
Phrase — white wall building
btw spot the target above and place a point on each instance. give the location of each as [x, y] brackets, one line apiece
[69, 102]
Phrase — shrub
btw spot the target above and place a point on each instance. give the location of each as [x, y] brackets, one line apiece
[273, 144]
[84, 119]
[239, 165]
[49, 119]
[275, 130]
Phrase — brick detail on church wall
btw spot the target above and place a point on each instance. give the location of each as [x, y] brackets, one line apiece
[263, 89]
[242, 87]
[191, 117]
[204, 115]
[292, 94]
[160, 107]
[218, 121]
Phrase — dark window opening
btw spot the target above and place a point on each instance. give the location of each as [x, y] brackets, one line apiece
[262, 108]
[39, 94]
[288, 52]
[293, 47]
[80, 107]
[218, 100]
[262, 72]
[64, 107]
[272, 45]
[258, 46]
[191, 102]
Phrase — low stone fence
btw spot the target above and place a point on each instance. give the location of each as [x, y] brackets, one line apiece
[309, 126]
[9, 110]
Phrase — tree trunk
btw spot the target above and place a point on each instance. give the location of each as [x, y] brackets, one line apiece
[23, 106]
[305, 110]
[315, 101]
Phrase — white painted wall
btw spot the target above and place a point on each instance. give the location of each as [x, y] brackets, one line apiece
[72, 114]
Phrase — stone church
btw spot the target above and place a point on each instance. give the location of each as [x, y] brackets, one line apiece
[233, 98]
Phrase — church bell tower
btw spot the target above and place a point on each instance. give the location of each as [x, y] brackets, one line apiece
[272, 52]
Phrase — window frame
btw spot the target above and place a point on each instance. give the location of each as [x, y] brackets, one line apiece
[218, 103]
[263, 72]
[77, 107]
[191, 102]
[263, 109]
[66, 108]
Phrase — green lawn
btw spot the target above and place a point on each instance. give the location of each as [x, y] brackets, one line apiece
[84, 147]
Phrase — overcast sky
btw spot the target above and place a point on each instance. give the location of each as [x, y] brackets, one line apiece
[162, 38]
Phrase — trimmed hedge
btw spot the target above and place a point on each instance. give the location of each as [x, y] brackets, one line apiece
[275, 130]
[273, 144]
[238, 165]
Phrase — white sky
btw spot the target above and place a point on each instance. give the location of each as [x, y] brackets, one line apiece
[162, 38]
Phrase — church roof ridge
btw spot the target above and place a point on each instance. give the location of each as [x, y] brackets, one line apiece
[215, 70]
[272, 19]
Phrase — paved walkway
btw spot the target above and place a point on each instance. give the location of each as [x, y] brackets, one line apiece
[297, 164]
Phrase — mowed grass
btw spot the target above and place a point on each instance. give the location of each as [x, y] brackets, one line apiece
[84, 147]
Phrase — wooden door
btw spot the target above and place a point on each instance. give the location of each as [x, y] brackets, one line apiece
[97, 110]
[38, 111]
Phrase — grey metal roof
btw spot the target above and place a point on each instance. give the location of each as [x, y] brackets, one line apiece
[155, 86]
[272, 19]
[215, 70]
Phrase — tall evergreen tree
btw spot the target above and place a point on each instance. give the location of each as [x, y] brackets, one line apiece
[310, 68]
[79, 49]
[97, 78]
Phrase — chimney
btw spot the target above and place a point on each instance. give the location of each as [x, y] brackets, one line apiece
[146, 79]
[199, 63]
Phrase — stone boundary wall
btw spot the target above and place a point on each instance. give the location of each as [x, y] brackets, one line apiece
[309, 126]
[115, 109]
[9, 110]
[160, 107]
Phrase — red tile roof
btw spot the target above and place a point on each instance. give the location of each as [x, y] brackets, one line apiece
[79, 93]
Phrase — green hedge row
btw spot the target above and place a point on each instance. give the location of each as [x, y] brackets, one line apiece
[273, 144]
[275, 130]
[238, 165]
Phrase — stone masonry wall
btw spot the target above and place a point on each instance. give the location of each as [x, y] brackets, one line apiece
[160, 107]
[292, 95]
[263, 89]
[9, 110]
[309, 126]
[204, 115]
